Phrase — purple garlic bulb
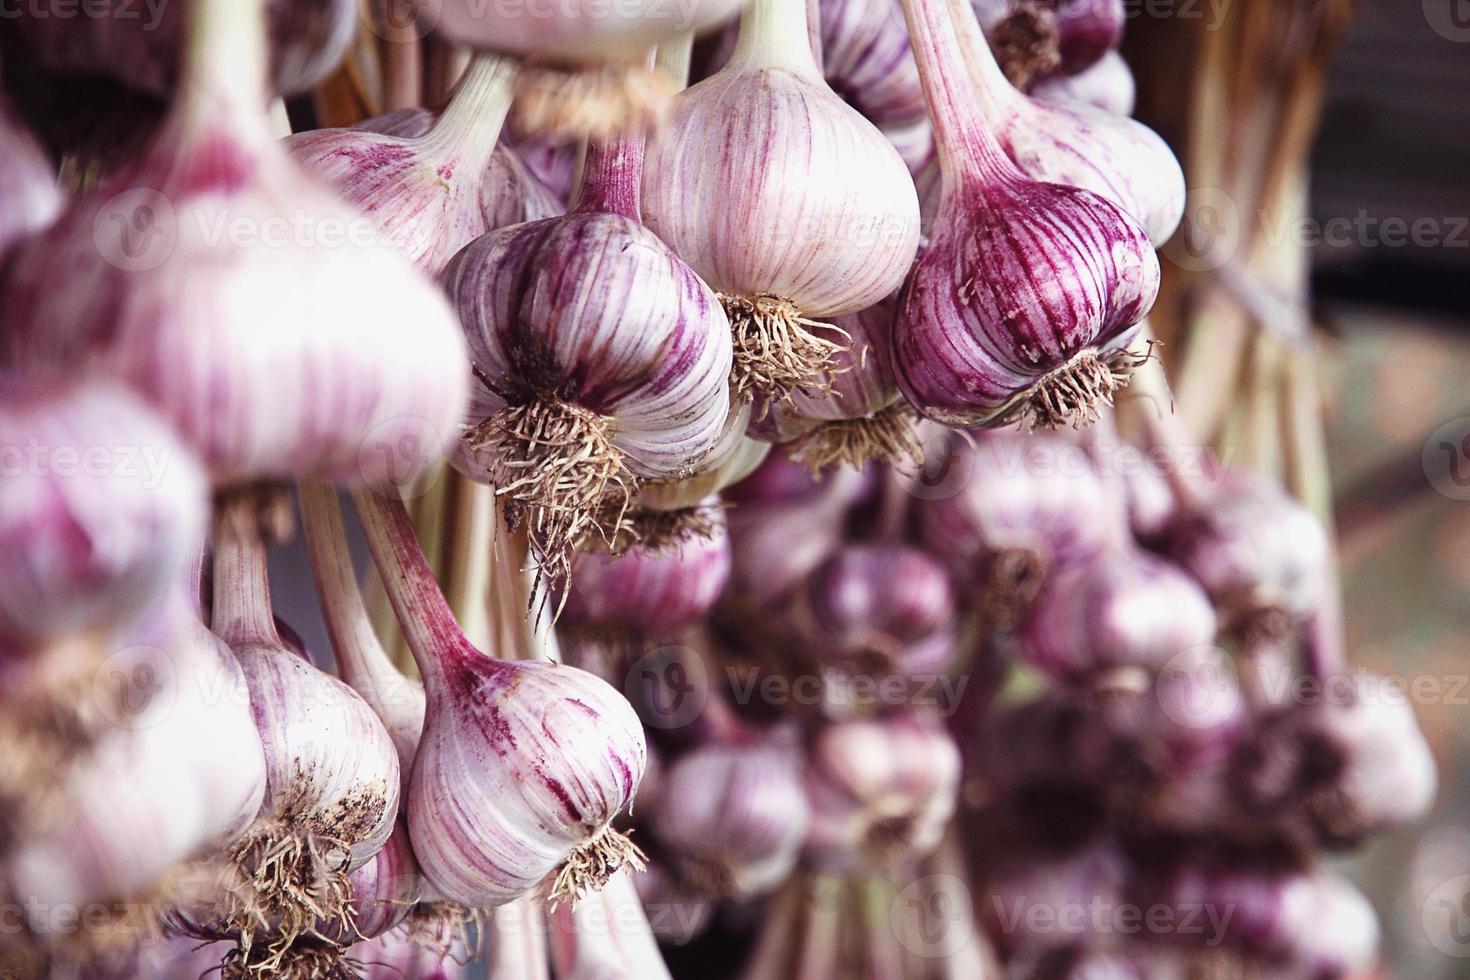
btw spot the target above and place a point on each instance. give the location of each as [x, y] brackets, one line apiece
[1035, 40]
[600, 358]
[1262, 556]
[733, 814]
[866, 59]
[1012, 511]
[878, 609]
[650, 590]
[29, 197]
[241, 299]
[101, 508]
[1124, 608]
[984, 336]
[882, 788]
[1107, 85]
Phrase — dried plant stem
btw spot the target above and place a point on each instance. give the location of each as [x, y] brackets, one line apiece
[599, 103]
[776, 350]
[518, 951]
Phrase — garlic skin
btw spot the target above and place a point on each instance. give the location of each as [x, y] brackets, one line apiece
[733, 814]
[647, 590]
[1107, 85]
[239, 308]
[578, 31]
[879, 787]
[396, 955]
[29, 197]
[174, 777]
[1014, 510]
[866, 60]
[810, 172]
[143, 48]
[384, 891]
[1077, 145]
[101, 508]
[1259, 554]
[1124, 608]
[733, 458]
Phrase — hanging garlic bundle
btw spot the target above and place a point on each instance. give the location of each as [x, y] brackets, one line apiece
[860, 416]
[732, 813]
[600, 358]
[522, 765]
[511, 191]
[29, 197]
[828, 215]
[1023, 305]
[332, 772]
[237, 296]
[1110, 155]
[427, 193]
[143, 46]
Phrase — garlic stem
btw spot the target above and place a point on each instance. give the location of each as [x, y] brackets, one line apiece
[995, 93]
[428, 623]
[612, 173]
[967, 147]
[470, 126]
[225, 60]
[242, 595]
[774, 34]
[674, 57]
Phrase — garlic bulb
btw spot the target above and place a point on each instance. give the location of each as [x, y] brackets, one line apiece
[733, 458]
[522, 765]
[985, 336]
[1055, 38]
[511, 190]
[1262, 556]
[397, 956]
[29, 197]
[1107, 85]
[101, 508]
[362, 663]
[879, 788]
[143, 46]
[427, 193]
[1110, 155]
[1123, 608]
[860, 416]
[829, 218]
[866, 60]
[1014, 510]
[332, 771]
[384, 891]
[733, 814]
[245, 302]
[176, 775]
[650, 590]
[600, 357]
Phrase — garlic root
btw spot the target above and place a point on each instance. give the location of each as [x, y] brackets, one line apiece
[1076, 392]
[775, 353]
[886, 436]
[590, 866]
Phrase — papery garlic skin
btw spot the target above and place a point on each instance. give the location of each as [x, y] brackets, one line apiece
[101, 508]
[733, 458]
[733, 815]
[253, 309]
[576, 31]
[384, 892]
[172, 777]
[829, 215]
[29, 197]
[866, 60]
[1125, 608]
[520, 764]
[1107, 85]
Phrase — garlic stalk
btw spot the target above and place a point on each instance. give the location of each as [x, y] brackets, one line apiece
[1024, 303]
[244, 301]
[601, 359]
[332, 770]
[424, 192]
[828, 213]
[522, 765]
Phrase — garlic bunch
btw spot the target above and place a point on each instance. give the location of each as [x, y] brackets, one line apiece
[428, 193]
[101, 508]
[984, 336]
[829, 219]
[600, 358]
[522, 765]
[144, 46]
[332, 771]
[29, 197]
[251, 307]
[881, 787]
[732, 814]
